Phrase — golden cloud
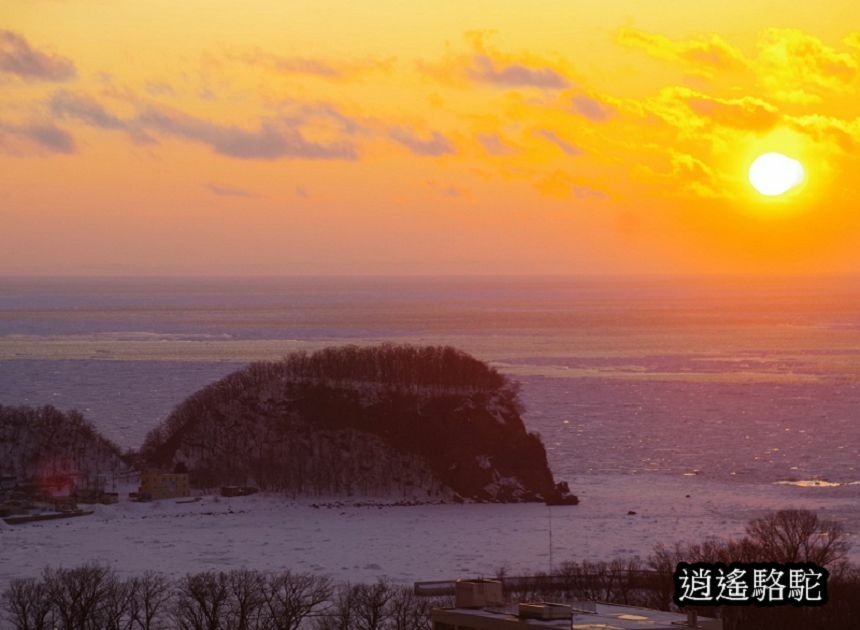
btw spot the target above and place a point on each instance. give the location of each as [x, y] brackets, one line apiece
[703, 55]
[791, 62]
[747, 112]
[489, 66]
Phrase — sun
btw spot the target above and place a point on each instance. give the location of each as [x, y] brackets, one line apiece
[774, 174]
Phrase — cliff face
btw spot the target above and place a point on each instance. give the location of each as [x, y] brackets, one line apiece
[389, 420]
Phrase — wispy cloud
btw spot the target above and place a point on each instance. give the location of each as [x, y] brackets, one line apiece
[740, 113]
[65, 104]
[703, 55]
[495, 145]
[22, 139]
[269, 141]
[228, 191]
[333, 69]
[435, 145]
[791, 61]
[558, 141]
[18, 57]
[487, 65]
[591, 108]
[844, 134]
[446, 190]
[274, 138]
[486, 70]
[562, 185]
[160, 88]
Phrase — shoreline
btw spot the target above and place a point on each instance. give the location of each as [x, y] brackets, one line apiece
[409, 543]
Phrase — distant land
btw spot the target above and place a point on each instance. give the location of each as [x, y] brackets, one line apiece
[425, 423]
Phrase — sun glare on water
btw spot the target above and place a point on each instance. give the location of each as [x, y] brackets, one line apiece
[774, 174]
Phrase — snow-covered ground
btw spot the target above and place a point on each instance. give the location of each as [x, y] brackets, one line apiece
[405, 543]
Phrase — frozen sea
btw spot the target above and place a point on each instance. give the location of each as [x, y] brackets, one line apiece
[742, 393]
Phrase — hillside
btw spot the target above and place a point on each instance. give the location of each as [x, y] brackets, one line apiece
[420, 422]
[48, 447]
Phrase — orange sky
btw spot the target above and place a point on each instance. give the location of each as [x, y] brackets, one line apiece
[334, 137]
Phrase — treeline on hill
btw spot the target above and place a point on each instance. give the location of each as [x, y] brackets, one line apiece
[395, 366]
[92, 596]
[47, 446]
[425, 421]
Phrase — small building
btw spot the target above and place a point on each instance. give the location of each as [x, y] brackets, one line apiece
[157, 484]
[478, 606]
[238, 491]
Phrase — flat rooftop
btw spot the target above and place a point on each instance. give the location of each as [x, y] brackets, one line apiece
[587, 616]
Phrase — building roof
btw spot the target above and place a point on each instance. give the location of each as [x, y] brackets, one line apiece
[588, 616]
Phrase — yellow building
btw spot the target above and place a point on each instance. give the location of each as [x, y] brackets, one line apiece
[155, 484]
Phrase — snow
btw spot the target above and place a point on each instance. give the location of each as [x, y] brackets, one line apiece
[361, 540]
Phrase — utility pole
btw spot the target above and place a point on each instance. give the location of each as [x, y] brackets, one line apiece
[549, 529]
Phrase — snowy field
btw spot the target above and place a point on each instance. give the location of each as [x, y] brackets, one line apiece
[405, 543]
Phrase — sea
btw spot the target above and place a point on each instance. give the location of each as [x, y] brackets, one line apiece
[743, 385]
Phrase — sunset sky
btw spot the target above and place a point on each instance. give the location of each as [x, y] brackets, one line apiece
[334, 137]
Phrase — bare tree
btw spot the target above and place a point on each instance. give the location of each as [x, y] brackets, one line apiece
[150, 596]
[200, 601]
[372, 610]
[245, 599]
[114, 610]
[289, 598]
[342, 615]
[797, 536]
[78, 594]
[408, 611]
[27, 605]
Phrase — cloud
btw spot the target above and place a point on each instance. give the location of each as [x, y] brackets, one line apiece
[693, 168]
[311, 66]
[747, 113]
[160, 88]
[703, 55]
[842, 133]
[303, 65]
[486, 70]
[562, 144]
[592, 109]
[18, 57]
[587, 192]
[51, 137]
[436, 145]
[562, 185]
[690, 112]
[793, 66]
[282, 136]
[486, 65]
[44, 137]
[328, 112]
[790, 60]
[269, 141]
[65, 104]
[494, 145]
[228, 191]
[446, 190]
